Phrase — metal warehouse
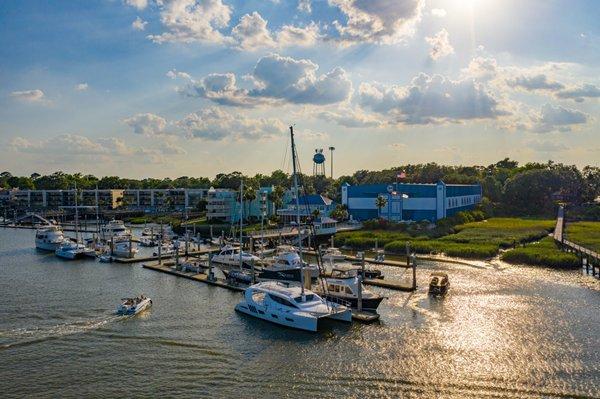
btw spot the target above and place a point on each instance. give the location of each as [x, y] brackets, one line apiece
[409, 201]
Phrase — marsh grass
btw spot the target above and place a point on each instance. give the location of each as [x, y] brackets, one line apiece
[586, 234]
[542, 253]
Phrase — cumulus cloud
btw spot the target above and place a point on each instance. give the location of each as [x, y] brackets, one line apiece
[482, 69]
[438, 12]
[173, 74]
[557, 118]
[290, 35]
[139, 4]
[377, 21]
[305, 6]
[431, 99]
[30, 96]
[147, 124]
[139, 24]
[252, 32]
[193, 21]
[534, 82]
[81, 86]
[579, 93]
[440, 45]
[215, 124]
[276, 79]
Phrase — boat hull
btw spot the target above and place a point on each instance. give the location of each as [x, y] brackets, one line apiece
[130, 311]
[47, 246]
[306, 323]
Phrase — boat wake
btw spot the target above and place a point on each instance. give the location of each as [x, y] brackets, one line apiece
[29, 336]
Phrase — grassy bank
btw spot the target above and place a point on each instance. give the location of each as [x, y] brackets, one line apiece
[542, 253]
[586, 234]
[476, 240]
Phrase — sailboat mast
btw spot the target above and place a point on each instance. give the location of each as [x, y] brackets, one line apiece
[241, 218]
[297, 194]
[76, 216]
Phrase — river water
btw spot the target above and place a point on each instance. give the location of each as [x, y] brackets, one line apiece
[502, 331]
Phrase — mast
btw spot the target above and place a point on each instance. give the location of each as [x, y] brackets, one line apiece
[241, 218]
[97, 215]
[297, 194]
[76, 216]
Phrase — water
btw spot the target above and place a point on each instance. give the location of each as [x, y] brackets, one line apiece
[501, 332]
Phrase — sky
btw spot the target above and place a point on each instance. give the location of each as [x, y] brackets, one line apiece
[168, 88]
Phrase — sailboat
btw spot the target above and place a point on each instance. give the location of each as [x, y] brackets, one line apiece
[286, 304]
[74, 249]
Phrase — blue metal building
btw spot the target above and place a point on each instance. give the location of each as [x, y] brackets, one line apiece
[410, 201]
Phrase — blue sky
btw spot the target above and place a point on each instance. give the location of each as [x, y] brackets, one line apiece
[197, 87]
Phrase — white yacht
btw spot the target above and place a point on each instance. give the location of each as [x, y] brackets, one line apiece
[49, 238]
[333, 254]
[114, 228]
[229, 257]
[133, 306]
[287, 266]
[73, 250]
[290, 306]
[121, 249]
[343, 286]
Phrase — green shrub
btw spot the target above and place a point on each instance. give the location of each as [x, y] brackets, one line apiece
[543, 253]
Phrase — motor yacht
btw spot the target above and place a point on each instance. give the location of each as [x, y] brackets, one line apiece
[229, 257]
[114, 228]
[73, 250]
[287, 266]
[133, 306]
[333, 254]
[343, 286]
[49, 238]
[124, 248]
[290, 306]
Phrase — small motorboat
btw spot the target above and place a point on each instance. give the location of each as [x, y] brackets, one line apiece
[439, 283]
[133, 306]
[105, 258]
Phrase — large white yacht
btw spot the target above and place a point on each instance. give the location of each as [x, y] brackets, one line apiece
[49, 238]
[114, 228]
[290, 306]
[121, 249]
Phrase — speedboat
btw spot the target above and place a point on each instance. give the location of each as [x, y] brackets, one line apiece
[343, 286]
[114, 228]
[290, 306]
[73, 250]
[439, 283]
[333, 254]
[133, 306]
[49, 238]
[287, 266]
[229, 257]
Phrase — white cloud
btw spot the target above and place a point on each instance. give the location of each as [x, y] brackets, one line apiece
[305, 6]
[139, 24]
[276, 79]
[30, 96]
[193, 20]
[252, 32]
[81, 86]
[147, 124]
[298, 36]
[173, 74]
[431, 99]
[481, 69]
[557, 118]
[215, 124]
[377, 21]
[139, 4]
[440, 45]
[438, 12]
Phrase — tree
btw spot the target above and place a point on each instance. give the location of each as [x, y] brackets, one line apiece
[380, 202]
[340, 212]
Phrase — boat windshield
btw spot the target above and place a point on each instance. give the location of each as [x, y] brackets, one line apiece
[282, 301]
[309, 298]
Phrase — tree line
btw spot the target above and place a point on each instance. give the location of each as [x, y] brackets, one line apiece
[508, 188]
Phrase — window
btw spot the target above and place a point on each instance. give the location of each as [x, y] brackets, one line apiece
[282, 301]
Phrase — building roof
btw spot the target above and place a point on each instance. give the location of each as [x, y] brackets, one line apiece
[312, 199]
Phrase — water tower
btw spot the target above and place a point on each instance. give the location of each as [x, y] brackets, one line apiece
[319, 163]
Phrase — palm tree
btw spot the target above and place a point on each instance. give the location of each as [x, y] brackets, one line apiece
[380, 202]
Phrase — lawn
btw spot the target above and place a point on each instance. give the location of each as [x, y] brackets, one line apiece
[586, 234]
[477, 240]
[542, 253]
